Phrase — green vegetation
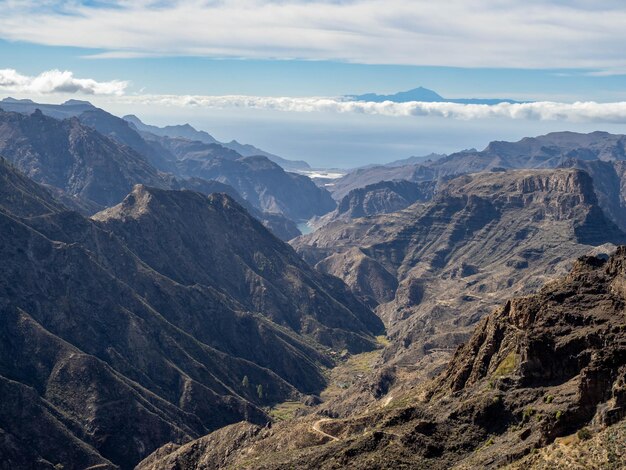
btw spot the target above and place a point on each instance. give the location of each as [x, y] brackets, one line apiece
[383, 341]
[506, 366]
[584, 434]
[245, 382]
[527, 414]
[558, 415]
[548, 399]
[259, 391]
[285, 411]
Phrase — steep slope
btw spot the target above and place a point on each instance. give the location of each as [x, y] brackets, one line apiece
[187, 132]
[88, 171]
[251, 265]
[118, 355]
[23, 197]
[610, 184]
[481, 237]
[73, 157]
[119, 130]
[265, 185]
[284, 228]
[379, 198]
[538, 368]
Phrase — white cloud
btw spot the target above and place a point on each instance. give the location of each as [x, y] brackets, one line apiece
[585, 34]
[55, 82]
[543, 110]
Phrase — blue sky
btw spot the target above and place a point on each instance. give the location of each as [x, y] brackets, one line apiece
[147, 56]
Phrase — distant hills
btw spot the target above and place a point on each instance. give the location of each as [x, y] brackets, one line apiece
[425, 95]
[188, 132]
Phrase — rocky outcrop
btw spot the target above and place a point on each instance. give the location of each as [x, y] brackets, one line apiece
[546, 151]
[379, 198]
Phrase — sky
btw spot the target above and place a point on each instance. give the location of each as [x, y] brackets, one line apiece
[273, 73]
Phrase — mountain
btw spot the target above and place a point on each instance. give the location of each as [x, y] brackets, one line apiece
[482, 236]
[73, 157]
[153, 322]
[71, 108]
[424, 95]
[538, 368]
[265, 185]
[284, 228]
[548, 151]
[362, 177]
[161, 156]
[187, 132]
[119, 130]
[88, 171]
[379, 198]
[414, 160]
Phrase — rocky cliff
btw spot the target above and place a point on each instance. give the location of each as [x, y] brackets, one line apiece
[481, 237]
[538, 368]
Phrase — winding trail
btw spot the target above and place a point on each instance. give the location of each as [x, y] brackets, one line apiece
[316, 428]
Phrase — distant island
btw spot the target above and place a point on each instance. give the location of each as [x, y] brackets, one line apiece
[425, 95]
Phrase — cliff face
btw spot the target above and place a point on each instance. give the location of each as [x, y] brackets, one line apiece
[379, 198]
[539, 367]
[111, 347]
[265, 185]
[481, 237]
[73, 157]
[546, 151]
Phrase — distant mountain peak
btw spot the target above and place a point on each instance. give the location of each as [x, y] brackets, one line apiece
[424, 95]
[8, 99]
[77, 103]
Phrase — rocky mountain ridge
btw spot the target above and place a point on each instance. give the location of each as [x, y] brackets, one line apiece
[538, 368]
[112, 348]
[435, 268]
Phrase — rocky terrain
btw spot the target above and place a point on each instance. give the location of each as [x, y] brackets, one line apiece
[113, 345]
[538, 368]
[435, 268]
[147, 312]
[547, 151]
[88, 171]
[378, 198]
[73, 157]
[263, 183]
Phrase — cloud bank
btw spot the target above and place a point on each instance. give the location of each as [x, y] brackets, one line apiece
[56, 81]
[587, 34]
[544, 110]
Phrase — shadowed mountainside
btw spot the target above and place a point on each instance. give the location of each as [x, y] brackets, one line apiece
[111, 348]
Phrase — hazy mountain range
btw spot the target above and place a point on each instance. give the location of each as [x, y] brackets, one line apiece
[425, 95]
